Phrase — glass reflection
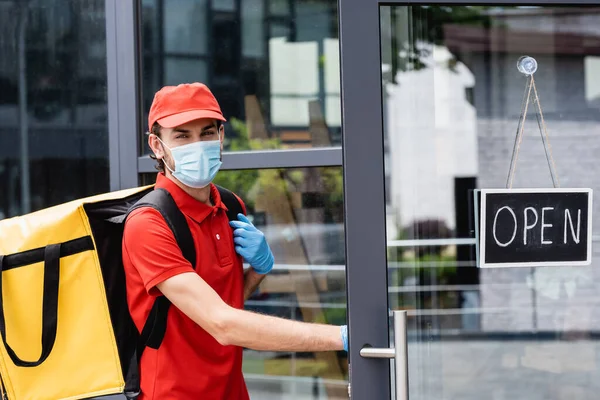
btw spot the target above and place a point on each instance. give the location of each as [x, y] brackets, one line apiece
[53, 103]
[273, 66]
[452, 99]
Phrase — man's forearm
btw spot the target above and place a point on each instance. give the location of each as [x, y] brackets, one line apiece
[232, 326]
[251, 281]
[263, 332]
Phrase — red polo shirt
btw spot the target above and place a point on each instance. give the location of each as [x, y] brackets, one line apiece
[190, 363]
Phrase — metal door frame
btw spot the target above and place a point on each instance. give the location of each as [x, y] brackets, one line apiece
[364, 187]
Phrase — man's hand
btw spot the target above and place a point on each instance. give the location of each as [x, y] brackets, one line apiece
[250, 243]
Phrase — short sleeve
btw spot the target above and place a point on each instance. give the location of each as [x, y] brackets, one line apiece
[150, 248]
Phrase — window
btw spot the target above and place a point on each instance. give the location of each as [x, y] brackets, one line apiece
[273, 66]
[53, 103]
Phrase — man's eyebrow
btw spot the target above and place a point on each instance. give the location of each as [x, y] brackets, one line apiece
[183, 130]
[207, 127]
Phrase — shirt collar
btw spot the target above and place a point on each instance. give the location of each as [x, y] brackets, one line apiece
[191, 207]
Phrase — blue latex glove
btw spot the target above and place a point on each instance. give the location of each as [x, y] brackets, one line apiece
[344, 335]
[250, 243]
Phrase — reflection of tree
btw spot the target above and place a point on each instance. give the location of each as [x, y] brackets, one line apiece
[282, 182]
[245, 181]
[425, 26]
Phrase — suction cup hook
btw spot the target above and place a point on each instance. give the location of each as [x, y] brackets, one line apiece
[527, 65]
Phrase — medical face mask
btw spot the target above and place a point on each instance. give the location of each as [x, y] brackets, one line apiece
[196, 164]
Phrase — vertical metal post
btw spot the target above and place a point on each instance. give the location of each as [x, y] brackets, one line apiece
[23, 115]
[122, 55]
[364, 195]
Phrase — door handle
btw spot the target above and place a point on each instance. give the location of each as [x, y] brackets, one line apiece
[399, 353]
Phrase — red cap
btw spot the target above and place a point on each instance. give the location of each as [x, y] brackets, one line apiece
[176, 105]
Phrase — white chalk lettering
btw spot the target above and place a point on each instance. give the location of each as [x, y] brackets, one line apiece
[514, 230]
[545, 225]
[568, 216]
[527, 226]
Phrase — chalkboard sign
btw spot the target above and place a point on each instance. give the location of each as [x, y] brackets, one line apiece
[535, 227]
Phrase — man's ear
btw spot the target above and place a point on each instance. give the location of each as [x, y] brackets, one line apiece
[155, 146]
[221, 135]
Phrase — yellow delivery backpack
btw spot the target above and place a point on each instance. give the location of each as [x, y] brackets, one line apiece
[65, 325]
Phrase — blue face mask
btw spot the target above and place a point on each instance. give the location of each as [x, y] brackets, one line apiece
[196, 164]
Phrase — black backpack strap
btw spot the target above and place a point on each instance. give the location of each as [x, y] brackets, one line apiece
[162, 201]
[155, 327]
[234, 207]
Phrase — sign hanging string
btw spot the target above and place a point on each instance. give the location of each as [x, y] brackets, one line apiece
[529, 88]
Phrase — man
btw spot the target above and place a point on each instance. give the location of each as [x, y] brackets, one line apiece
[201, 354]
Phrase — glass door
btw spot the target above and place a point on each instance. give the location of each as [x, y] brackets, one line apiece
[432, 99]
